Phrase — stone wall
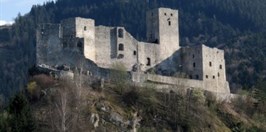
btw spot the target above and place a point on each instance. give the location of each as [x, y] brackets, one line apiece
[164, 82]
[111, 49]
[85, 28]
[213, 67]
[51, 51]
[207, 64]
[191, 62]
[48, 44]
[148, 54]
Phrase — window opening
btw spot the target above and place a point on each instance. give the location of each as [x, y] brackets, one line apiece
[80, 46]
[121, 47]
[135, 52]
[120, 56]
[148, 61]
[120, 33]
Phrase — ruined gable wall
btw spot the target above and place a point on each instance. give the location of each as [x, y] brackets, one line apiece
[85, 28]
[107, 43]
[148, 52]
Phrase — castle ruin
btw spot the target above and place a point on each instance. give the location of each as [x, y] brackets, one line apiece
[77, 42]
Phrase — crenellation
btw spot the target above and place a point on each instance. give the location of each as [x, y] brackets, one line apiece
[77, 42]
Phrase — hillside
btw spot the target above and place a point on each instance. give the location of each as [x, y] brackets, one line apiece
[63, 105]
[236, 26]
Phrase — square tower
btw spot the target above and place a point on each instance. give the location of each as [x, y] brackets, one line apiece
[162, 28]
[207, 64]
[83, 30]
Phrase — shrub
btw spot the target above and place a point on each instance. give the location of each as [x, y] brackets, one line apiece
[119, 76]
[34, 90]
[197, 96]
[44, 81]
[131, 97]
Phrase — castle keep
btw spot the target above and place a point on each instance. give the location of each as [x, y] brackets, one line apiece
[77, 42]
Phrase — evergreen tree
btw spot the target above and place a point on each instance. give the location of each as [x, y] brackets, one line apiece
[21, 116]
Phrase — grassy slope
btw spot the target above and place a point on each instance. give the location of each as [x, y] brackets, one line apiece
[157, 111]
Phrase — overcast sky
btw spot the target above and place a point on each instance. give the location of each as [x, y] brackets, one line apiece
[9, 9]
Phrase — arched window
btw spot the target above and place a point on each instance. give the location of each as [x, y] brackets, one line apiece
[218, 74]
[120, 33]
[221, 67]
[85, 28]
[194, 64]
[148, 61]
[121, 47]
[210, 63]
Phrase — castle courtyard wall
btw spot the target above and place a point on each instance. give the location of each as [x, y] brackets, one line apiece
[164, 82]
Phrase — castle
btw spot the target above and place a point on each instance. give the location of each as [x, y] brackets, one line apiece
[77, 42]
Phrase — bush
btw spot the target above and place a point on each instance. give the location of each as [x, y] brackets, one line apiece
[197, 96]
[33, 90]
[131, 97]
[119, 76]
[44, 81]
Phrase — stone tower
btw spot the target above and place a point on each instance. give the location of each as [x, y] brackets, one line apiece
[162, 29]
[79, 32]
[207, 64]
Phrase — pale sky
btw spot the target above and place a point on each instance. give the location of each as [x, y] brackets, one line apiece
[9, 9]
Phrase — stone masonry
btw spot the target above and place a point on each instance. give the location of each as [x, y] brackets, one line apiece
[77, 42]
